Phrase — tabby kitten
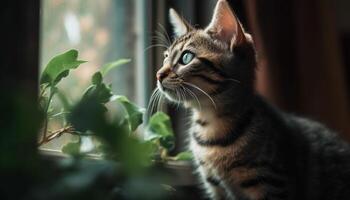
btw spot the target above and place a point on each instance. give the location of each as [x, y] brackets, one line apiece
[244, 148]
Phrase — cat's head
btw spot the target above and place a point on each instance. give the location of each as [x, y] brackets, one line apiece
[202, 64]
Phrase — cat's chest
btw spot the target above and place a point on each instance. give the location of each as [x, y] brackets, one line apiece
[211, 156]
[205, 129]
[206, 159]
[214, 156]
[203, 153]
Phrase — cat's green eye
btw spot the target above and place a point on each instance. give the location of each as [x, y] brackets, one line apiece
[186, 58]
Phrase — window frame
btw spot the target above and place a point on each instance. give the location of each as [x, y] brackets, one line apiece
[20, 48]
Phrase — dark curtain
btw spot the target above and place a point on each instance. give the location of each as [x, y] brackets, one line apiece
[301, 58]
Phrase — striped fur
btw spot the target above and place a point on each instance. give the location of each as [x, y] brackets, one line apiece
[244, 148]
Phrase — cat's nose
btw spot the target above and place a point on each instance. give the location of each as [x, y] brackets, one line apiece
[161, 76]
[162, 73]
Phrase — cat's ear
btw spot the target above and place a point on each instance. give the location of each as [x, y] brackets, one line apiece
[180, 25]
[225, 25]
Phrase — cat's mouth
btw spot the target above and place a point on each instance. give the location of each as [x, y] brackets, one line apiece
[171, 91]
[187, 93]
[181, 92]
[175, 91]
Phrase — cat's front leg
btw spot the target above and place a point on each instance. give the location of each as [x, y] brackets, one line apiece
[214, 190]
[212, 184]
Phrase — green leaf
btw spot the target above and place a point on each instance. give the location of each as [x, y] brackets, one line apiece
[152, 148]
[186, 155]
[88, 114]
[72, 148]
[135, 113]
[135, 154]
[101, 92]
[124, 125]
[167, 142]
[109, 66]
[159, 127]
[59, 67]
[97, 78]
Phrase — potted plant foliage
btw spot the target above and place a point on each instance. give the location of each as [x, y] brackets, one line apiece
[130, 162]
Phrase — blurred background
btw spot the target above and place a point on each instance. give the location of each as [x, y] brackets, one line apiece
[102, 32]
[303, 50]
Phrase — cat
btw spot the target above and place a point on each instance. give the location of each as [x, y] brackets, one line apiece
[243, 147]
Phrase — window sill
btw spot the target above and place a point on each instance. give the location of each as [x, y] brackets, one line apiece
[180, 172]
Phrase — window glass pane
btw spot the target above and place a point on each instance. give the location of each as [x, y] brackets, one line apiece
[102, 31]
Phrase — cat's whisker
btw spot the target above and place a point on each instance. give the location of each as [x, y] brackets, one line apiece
[180, 98]
[183, 98]
[160, 39]
[150, 107]
[197, 99]
[156, 107]
[199, 103]
[177, 99]
[155, 103]
[160, 103]
[150, 103]
[164, 38]
[155, 45]
[193, 95]
[185, 92]
[165, 32]
[206, 94]
[157, 40]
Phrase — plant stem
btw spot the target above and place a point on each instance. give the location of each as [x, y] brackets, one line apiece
[60, 132]
[52, 93]
[43, 91]
[56, 134]
[163, 153]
